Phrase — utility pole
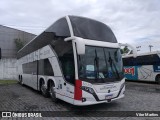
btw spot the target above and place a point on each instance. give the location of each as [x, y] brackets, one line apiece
[150, 46]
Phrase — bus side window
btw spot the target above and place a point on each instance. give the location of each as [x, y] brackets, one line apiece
[67, 62]
[48, 68]
[129, 61]
[45, 68]
[41, 67]
[147, 60]
[30, 68]
[65, 55]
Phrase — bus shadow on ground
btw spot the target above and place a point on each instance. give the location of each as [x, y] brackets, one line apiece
[88, 111]
[78, 109]
[88, 108]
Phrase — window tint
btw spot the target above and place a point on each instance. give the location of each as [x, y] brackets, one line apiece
[129, 61]
[148, 60]
[142, 60]
[91, 29]
[60, 28]
[48, 68]
[30, 68]
[67, 62]
[100, 65]
[64, 52]
[41, 67]
[45, 68]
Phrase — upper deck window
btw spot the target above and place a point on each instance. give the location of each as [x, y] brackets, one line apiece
[91, 29]
[60, 28]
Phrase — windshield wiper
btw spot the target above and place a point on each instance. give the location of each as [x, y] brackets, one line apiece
[96, 65]
[112, 62]
[105, 58]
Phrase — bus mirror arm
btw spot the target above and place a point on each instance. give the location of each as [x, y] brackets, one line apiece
[80, 44]
[69, 38]
[132, 47]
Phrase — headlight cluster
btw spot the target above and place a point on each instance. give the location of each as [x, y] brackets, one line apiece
[88, 89]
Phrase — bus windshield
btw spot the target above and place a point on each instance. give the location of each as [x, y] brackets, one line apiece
[100, 65]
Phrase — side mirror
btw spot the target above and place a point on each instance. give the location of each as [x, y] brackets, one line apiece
[80, 44]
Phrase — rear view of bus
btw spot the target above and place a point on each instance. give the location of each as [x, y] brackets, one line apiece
[81, 60]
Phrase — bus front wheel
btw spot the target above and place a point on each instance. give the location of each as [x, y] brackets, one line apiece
[158, 79]
[43, 89]
[53, 93]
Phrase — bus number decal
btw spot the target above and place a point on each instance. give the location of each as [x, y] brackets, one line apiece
[129, 71]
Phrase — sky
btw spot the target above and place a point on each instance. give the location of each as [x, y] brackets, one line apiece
[133, 21]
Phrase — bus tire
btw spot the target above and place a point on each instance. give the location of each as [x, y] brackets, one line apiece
[43, 89]
[52, 92]
[20, 80]
[158, 79]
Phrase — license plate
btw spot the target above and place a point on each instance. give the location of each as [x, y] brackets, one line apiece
[109, 96]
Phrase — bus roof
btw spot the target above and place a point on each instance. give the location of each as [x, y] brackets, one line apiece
[142, 54]
[82, 27]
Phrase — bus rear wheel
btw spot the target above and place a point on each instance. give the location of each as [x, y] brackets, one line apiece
[43, 89]
[53, 92]
[20, 80]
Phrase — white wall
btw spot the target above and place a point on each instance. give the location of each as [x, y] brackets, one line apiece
[8, 69]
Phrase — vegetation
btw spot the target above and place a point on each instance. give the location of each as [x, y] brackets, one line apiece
[19, 43]
[124, 50]
[8, 81]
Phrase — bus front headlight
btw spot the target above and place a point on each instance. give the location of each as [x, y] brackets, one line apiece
[88, 89]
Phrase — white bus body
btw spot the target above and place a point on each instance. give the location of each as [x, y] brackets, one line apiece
[71, 67]
[145, 67]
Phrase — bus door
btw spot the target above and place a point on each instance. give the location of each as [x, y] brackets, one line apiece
[69, 76]
[60, 82]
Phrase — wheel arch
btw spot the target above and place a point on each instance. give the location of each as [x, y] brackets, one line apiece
[156, 78]
[41, 80]
[49, 83]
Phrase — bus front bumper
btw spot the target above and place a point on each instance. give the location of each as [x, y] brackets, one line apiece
[93, 101]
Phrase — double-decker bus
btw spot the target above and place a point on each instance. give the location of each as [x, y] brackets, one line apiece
[77, 60]
[145, 67]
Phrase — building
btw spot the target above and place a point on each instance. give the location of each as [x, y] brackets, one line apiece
[7, 40]
[8, 50]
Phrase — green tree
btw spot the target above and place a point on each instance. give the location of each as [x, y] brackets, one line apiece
[19, 43]
[125, 50]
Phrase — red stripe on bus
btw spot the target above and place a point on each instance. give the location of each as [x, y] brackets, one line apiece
[78, 91]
